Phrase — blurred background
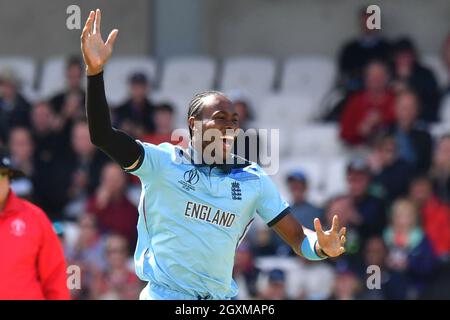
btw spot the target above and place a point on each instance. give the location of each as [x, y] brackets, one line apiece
[364, 119]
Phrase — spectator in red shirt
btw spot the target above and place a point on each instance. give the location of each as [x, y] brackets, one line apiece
[435, 215]
[32, 265]
[114, 212]
[369, 110]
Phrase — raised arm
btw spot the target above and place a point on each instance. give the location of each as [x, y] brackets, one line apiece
[312, 244]
[116, 144]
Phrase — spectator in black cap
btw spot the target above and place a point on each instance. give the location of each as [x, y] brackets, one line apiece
[371, 209]
[409, 73]
[136, 115]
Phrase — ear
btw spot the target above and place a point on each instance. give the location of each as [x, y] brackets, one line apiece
[191, 122]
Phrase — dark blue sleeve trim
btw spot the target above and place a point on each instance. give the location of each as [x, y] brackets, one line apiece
[279, 217]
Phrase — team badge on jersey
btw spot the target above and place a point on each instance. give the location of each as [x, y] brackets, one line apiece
[18, 227]
[236, 193]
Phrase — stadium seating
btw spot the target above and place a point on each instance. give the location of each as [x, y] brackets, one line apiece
[252, 74]
[188, 75]
[335, 176]
[286, 110]
[436, 65]
[318, 139]
[119, 69]
[445, 109]
[52, 77]
[311, 76]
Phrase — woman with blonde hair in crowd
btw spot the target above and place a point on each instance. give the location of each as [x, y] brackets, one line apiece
[409, 250]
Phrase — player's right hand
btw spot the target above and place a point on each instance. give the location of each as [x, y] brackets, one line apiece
[96, 52]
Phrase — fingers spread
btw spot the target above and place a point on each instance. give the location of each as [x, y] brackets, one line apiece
[318, 225]
[89, 21]
[112, 38]
[98, 19]
[335, 224]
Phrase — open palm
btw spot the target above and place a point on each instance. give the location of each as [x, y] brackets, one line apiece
[96, 52]
[331, 242]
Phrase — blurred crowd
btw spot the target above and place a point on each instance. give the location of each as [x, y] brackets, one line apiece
[396, 208]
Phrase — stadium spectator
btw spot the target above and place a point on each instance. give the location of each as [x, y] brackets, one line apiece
[302, 210]
[87, 253]
[413, 139]
[440, 170]
[389, 172]
[347, 285]
[367, 111]
[51, 159]
[74, 87]
[356, 54]
[84, 169]
[409, 249]
[21, 146]
[249, 135]
[263, 241]
[245, 273]
[136, 115]
[370, 209]
[117, 281]
[114, 212]
[275, 289]
[32, 260]
[410, 74]
[344, 207]
[435, 215]
[392, 284]
[14, 108]
[164, 125]
[69, 103]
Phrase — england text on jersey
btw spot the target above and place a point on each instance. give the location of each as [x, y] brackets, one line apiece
[208, 214]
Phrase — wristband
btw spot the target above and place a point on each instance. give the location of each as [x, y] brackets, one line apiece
[308, 248]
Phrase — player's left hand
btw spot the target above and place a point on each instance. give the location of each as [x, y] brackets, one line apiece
[331, 242]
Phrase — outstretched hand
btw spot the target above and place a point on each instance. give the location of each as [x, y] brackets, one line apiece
[96, 52]
[331, 242]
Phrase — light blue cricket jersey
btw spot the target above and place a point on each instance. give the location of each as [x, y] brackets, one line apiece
[192, 218]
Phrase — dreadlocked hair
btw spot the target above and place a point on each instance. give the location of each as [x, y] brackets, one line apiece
[196, 104]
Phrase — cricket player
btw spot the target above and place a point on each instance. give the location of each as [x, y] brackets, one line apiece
[192, 215]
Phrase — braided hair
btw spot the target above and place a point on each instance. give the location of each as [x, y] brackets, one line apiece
[196, 104]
